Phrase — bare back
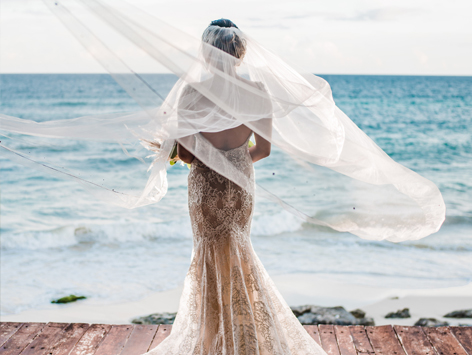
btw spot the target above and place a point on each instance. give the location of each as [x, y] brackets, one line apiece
[229, 138]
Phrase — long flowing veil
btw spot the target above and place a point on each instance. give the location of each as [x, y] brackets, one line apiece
[215, 91]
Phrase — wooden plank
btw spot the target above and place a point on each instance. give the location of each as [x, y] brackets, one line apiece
[314, 332]
[69, 337]
[344, 338]
[115, 340]
[140, 339]
[104, 339]
[360, 340]
[414, 340]
[384, 340]
[162, 332]
[48, 336]
[464, 335]
[89, 342]
[21, 338]
[328, 339]
[444, 341]
[7, 329]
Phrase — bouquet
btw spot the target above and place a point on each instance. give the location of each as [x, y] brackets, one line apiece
[155, 146]
[173, 158]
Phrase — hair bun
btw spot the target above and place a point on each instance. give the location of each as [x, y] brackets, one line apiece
[222, 22]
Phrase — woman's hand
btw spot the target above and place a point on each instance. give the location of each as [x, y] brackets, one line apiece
[261, 149]
[184, 154]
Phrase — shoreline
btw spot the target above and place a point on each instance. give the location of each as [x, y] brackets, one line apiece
[296, 289]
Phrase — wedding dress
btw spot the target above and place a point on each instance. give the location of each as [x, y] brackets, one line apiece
[229, 304]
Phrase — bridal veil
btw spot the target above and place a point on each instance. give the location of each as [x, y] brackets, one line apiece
[215, 91]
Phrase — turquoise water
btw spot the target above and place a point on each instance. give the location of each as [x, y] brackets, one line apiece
[56, 240]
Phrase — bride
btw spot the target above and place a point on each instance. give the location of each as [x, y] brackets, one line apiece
[228, 90]
[229, 304]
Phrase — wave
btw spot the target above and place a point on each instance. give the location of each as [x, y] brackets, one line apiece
[136, 232]
[282, 223]
[71, 103]
[458, 220]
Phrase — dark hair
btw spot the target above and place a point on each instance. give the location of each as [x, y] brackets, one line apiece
[222, 22]
[218, 35]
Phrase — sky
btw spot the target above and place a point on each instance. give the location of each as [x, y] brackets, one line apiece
[401, 37]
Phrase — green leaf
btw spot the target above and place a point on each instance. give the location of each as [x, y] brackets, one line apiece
[173, 153]
[172, 162]
[250, 144]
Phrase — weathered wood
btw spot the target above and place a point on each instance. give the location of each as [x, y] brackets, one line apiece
[140, 339]
[384, 340]
[414, 340]
[7, 329]
[48, 336]
[129, 339]
[328, 339]
[314, 332]
[464, 335]
[444, 341]
[162, 332]
[68, 338]
[88, 343]
[115, 339]
[22, 337]
[344, 338]
[360, 340]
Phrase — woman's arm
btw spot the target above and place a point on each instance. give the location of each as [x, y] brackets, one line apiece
[262, 147]
[184, 154]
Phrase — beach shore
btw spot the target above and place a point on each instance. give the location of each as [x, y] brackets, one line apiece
[297, 289]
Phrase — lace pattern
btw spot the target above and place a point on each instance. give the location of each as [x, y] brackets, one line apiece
[229, 304]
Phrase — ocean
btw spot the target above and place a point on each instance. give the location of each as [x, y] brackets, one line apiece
[57, 240]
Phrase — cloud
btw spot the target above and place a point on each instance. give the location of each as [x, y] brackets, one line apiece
[275, 25]
[256, 22]
[300, 16]
[382, 14]
[305, 15]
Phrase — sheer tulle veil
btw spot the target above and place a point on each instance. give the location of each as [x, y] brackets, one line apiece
[215, 91]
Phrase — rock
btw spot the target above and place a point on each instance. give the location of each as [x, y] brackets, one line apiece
[361, 318]
[298, 311]
[68, 299]
[308, 318]
[156, 318]
[401, 313]
[358, 313]
[366, 321]
[463, 313]
[325, 315]
[431, 322]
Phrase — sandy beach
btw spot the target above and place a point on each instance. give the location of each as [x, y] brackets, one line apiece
[297, 289]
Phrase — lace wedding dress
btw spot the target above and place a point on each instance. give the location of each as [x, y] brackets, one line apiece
[229, 304]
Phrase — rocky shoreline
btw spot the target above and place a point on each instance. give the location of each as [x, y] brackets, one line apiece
[313, 315]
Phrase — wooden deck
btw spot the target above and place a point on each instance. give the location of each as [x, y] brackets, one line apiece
[130, 339]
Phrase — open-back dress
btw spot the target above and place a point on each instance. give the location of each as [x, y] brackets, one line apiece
[229, 304]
